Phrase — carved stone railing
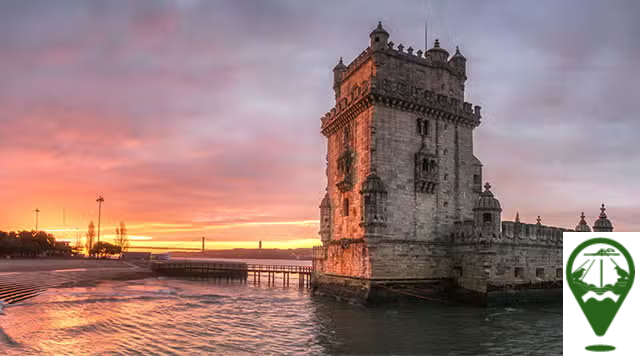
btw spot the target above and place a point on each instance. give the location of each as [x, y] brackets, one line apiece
[512, 232]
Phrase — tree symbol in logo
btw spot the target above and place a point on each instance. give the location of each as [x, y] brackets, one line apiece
[600, 273]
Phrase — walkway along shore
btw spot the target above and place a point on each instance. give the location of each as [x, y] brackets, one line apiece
[24, 279]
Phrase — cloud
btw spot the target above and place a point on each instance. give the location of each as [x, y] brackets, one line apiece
[202, 113]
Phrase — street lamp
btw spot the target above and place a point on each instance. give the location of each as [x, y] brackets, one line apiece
[37, 211]
[99, 200]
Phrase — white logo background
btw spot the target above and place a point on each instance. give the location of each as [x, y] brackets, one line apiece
[624, 331]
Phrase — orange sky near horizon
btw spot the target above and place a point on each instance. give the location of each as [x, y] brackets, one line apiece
[202, 118]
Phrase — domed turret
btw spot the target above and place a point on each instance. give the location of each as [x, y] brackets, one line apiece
[582, 225]
[438, 54]
[459, 63]
[325, 219]
[487, 213]
[340, 67]
[603, 224]
[487, 201]
[338, 71]
[379, 38]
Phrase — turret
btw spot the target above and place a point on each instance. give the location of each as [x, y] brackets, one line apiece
[338, 72]
[459, 63]
[487, 213]
[325, 219]
[379, 38]
[437, 54]
[603, 224]
[582, 225]
[374, 200]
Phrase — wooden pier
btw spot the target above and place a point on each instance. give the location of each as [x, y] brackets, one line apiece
[236, 271]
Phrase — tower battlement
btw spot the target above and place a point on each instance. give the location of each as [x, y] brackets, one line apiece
[393, 93]
[512, 232]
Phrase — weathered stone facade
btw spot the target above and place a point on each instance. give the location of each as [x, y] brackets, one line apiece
[404, 201]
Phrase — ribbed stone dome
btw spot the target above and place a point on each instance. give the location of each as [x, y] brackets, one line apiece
[487, 201]
[458, 55]
[603, 223]
[326, 203]
[379, 30]
[582, 225]
[373, 184]
[437, 49]
[340, 66]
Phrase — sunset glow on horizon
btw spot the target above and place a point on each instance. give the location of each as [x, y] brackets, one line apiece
[202, 118]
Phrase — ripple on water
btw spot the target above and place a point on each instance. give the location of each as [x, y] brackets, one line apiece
[181, 317]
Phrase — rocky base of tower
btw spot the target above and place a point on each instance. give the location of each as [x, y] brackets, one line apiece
[371, 292]
[543, 293]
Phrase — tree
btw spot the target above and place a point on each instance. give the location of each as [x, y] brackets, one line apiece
[91, 236]
[122, 240]
[104, 249]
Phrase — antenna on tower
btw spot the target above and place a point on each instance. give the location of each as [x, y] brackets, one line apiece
[426, 25]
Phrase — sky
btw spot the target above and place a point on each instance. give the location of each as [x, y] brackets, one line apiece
[202, 118]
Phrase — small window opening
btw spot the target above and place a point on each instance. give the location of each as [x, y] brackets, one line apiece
[518, 272]
[486, 217]
[425, 165]
[476, 179]
[540, 272]
[345, 207]
[377, 39]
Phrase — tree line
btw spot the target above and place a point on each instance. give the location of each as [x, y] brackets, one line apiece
[32, 244]
[42, 244]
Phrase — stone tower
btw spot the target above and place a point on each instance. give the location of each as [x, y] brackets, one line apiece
[400, 166]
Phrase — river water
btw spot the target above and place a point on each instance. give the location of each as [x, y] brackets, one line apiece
[170, 316]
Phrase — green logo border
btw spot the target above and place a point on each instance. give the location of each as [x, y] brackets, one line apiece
[632, 274]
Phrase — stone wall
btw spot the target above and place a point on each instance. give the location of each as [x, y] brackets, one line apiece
[347, 258]
[348, 226]
[409, 260]
[523, 254]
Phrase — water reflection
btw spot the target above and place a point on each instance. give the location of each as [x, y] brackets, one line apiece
[431, 329]
[181, 317]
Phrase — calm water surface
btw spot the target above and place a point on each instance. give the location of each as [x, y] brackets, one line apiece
[163, 316]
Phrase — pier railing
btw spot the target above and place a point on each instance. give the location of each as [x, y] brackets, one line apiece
[237, 271]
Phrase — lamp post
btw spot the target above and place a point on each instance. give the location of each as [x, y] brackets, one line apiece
[37, 211]
[99, 200]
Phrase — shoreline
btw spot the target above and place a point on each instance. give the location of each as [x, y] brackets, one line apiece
[26, 278]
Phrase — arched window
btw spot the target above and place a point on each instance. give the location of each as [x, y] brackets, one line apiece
[425, 129]
[419, 127]
[486, 217]
[425, 165]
